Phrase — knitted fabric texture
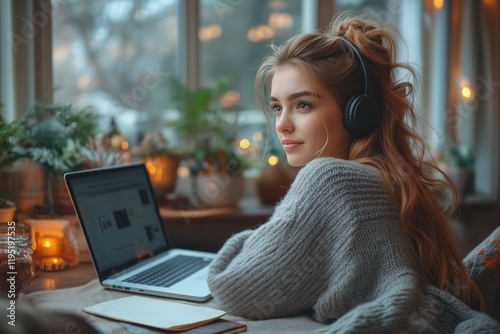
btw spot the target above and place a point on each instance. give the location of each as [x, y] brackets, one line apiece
[335, 247]
[483, 266]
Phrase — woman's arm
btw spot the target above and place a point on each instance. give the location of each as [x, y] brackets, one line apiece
[282, 267]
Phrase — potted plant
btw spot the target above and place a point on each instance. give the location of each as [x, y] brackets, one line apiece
[8, 133]
[56, 136]
[207, 129]
[7, 209]
[459, 161]
[161, 160]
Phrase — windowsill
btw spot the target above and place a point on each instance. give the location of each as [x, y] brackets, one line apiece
[478, 200]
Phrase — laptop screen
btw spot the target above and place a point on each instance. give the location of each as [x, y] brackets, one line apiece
[118, 214]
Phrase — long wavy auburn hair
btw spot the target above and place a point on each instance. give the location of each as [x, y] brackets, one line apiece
[394, 149]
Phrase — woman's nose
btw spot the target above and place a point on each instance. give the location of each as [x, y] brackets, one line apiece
[284, 123]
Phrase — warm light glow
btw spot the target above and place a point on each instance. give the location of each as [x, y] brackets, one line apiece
[257, 34]
[266, 32]
[257, 136]
[151, 169]
[465, 88]
[466, 92]
[48, 283]
[118, 142]
[230, 98]
[489, 3]
[183, 171]
[83, 81]
[211, 32]
[280, 20]
[53, 264]
[244, 143]
[438, 4]
[273, 160]
[49, 245]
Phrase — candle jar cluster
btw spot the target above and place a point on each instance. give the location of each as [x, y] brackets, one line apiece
[54, 244]
[16, 262]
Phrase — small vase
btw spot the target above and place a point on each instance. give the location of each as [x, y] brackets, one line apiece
[60, 197]
[216, 191]
[272, 184]
[162, 170]
[7, 214]
[25, 179]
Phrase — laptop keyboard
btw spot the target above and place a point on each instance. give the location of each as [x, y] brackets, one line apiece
[169, 272]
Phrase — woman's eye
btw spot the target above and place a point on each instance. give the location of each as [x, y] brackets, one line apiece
[276, 109]
[303, 105]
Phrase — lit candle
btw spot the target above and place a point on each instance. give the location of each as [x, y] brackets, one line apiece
[53, 263]
[49, 246]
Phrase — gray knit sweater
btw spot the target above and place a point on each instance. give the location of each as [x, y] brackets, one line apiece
[335, 247]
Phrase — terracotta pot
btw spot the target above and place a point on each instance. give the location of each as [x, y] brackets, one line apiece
[461, 178]
[25, 180]
[162, 170]
[60, 197]
[272, 184]
[219, 190]
[7, 214]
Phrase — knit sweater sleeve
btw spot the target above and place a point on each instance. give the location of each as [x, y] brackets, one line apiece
[282, 267]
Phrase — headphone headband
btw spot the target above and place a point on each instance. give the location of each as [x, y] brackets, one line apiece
[365, 64]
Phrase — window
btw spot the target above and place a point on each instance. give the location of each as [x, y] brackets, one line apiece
[450, 44]
[234, 40]
[116, 56]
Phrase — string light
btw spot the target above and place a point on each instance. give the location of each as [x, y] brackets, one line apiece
[465, 89]
[273, 160]
[244, 144]
[466, 92]
[438, 4]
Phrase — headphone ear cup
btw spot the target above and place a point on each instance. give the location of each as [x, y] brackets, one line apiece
[361, 115]
[350, 113]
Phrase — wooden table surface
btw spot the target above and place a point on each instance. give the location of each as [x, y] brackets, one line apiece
[78, 275]
[204, 230]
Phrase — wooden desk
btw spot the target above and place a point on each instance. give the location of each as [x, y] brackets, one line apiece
[208, 229]
[78, 275]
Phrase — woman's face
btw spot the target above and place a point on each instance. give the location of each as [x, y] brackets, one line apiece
[308, 120]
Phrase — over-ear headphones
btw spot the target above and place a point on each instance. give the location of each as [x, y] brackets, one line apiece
[362, 112]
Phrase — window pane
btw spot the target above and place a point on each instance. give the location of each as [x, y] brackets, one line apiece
[387, 10]
[115, 55]
[235, 35]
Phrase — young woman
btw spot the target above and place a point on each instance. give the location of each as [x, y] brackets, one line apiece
[360, 239]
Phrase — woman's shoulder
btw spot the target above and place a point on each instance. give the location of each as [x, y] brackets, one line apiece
[330, 176]
[338, 168]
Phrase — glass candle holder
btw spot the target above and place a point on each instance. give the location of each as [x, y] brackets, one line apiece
[16, 262]
[54, 244]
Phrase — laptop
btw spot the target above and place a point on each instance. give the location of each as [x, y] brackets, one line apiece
[120, 219]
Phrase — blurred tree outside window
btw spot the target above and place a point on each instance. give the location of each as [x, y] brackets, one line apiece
[116, 56]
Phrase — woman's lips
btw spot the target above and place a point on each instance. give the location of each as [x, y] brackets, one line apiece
[289, 145]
